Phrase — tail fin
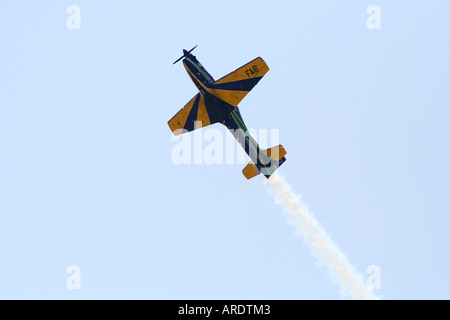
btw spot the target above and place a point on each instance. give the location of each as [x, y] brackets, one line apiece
[276, 155]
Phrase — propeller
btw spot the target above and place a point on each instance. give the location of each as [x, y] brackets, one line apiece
[185, 53]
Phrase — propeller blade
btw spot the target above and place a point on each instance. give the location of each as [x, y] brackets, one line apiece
[178, 59]
[184, 55]
[193, 49]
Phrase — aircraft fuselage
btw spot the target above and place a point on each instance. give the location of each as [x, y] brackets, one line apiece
[228, 114]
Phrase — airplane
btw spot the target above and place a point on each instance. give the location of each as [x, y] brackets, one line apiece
[217, 102]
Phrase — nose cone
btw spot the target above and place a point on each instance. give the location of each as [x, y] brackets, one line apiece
[185, 52]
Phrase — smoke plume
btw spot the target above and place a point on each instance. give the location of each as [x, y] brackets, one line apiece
[328, 254]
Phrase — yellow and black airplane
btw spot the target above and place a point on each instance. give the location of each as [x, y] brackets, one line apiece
[217, 102]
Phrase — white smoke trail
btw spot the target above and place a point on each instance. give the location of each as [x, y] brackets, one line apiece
[351, 283]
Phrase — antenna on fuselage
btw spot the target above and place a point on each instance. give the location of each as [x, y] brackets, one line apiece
[185, 53]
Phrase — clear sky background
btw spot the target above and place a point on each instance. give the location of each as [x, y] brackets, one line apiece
[87, 178]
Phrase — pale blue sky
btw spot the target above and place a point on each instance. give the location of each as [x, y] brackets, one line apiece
[86, 176]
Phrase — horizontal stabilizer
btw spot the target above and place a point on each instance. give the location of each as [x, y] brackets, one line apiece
[266, 166]
[276, 153]
[250, 170]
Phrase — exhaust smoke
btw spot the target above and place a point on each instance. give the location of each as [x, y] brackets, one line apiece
[328, 254]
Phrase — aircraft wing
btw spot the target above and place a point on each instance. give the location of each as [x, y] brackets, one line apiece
[192, 116]
[233, 87]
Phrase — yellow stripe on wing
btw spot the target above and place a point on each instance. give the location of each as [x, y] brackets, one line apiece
[178, 121]
[203, 116]
[255, 68]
